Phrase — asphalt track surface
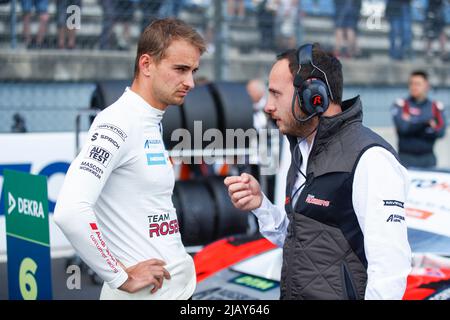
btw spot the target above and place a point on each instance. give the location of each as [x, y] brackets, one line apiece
[88, 290]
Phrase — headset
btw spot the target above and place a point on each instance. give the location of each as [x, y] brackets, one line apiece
[312, 93]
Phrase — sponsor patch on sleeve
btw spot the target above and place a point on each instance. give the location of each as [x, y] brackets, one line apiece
[119, 132]
[99, 154]
[100, 137]
[92, 169]
[100, 244]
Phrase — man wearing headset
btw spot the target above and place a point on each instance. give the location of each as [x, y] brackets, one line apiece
[343, 230]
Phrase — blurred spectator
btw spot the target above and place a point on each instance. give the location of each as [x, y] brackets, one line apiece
[249, 6]
[201, 80]
[434, 27]
[19, 124]
[124, 11]
[150, 11]
[41, 7]
[347, 13]
[257, 91]
[236, 8]
[63, 29]
[266, 12]
[398, 13]
[419, 121]
[287, 15]
[109, 12]
[171, 8]
[205, 10]
[116, 11]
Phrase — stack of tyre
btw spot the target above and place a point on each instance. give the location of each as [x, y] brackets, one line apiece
[204, 210]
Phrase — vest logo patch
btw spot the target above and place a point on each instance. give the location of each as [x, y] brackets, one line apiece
[396, 203]
[311, 199]
[395, 218]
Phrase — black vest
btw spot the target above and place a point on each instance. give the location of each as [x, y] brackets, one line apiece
[323, 254]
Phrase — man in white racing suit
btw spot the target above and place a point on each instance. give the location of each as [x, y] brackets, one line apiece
[115, 206]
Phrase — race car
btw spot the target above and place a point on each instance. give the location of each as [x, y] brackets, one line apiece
[248, 267]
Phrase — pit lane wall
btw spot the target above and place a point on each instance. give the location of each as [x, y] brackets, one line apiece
[50, 154]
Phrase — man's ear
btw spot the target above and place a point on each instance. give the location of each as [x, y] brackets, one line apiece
[146, 63]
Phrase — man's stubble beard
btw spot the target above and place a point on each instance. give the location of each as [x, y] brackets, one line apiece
[301, 129]
[170, 99]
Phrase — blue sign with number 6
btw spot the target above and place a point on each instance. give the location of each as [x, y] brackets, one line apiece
[29, 270]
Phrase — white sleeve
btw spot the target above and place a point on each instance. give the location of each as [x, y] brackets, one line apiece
[380, 190]
[84, 181]
[272, 221]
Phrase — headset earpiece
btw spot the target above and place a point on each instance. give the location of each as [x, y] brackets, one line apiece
[313, 97]
[314, 93]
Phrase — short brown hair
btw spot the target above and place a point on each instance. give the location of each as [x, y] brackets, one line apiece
[157, 37]
[419, 73]
[325, 61]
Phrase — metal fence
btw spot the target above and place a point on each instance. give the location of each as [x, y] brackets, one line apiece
[42, 107]
[53, 106]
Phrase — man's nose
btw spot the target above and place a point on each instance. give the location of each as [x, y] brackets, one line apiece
[189, 81]
[269, 107]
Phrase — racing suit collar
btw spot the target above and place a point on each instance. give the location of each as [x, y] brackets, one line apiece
[139, 102]
[419, 103]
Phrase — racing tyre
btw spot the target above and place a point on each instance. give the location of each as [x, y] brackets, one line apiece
[107, 92]
[197, 212]
[235, 107]
[229, 220]
[172, 120]
[199, 105]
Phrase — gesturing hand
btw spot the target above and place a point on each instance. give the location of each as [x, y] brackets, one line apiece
[244, 191]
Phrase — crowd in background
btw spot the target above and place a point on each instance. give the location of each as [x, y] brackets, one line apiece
[278, 22]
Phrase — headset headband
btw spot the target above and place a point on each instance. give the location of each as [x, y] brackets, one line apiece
[305, 54]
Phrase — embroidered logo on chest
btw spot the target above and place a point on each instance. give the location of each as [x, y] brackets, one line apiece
[311, 199]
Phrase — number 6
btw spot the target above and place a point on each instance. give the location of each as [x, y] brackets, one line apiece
[27, 282]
